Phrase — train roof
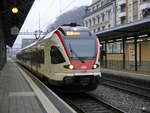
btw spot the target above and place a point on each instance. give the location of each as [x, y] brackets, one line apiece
[63, 29]
[37, 41]
[73, 26]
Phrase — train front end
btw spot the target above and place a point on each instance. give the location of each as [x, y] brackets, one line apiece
[82, 51]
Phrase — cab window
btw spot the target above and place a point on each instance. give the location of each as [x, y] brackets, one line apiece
[56, 56]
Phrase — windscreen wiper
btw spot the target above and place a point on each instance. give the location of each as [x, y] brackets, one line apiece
[72, 51]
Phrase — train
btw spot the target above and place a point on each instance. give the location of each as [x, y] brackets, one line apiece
[67, 58]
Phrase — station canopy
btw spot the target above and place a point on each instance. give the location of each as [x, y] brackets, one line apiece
[11, 21]
[127, 30]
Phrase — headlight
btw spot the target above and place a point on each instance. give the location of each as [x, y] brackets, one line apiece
[70, 66]
[95, 66]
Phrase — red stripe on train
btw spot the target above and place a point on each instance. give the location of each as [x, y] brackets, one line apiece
[60, 37]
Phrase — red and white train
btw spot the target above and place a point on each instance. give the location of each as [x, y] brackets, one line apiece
[67, 58]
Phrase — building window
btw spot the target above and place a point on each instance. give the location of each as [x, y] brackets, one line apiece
[97, 6]
[56, 56]
[122, 8]
[102, 3]
[145, 0]
[109, 14]
[98, 18]
[86, 23]
[94, 30]
[109, 25]
[93, 8]
[103, 16]
[90, 23]
[93, 21]
[103, 27]
[115, 47]
[123, 20]
[146, 12]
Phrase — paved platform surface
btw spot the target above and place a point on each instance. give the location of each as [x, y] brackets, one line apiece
[16, 96]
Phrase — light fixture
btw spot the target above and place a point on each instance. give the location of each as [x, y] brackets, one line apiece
[148, 39]
[139, 40]
[70, 66]
[14, 10]
[143, 36]
[95, 66]
[130, 37]
[110, 41]
[118, 39]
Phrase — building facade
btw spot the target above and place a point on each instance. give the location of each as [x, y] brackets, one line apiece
[100, 15]
[128, 11]
[103, 14]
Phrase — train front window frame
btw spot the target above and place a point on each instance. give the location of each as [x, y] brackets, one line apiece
[56, 56]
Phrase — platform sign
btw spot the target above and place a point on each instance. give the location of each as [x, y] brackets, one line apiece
[132, 54]
[14, 30]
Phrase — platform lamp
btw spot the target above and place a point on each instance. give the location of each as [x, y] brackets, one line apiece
[14, 10]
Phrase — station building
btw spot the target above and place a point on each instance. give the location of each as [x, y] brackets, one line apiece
[124, 45]
[127, 46]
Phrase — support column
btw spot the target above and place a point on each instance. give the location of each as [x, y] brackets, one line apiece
[105, 54]
[123, 43]
[135, 52]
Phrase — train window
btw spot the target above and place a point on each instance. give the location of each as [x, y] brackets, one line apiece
[37, 57]
[56, 56]
[40, 56]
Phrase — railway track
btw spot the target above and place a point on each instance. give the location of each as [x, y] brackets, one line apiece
[138, 90]
[85, 103]
[127, 86]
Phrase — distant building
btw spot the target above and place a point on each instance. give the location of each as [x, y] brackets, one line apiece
[100, 15]
[27, 41]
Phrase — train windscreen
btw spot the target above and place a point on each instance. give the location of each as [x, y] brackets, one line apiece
[80, 47]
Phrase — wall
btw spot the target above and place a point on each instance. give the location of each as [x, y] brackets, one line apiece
[2, 48]
[115, 61]
[145, 56]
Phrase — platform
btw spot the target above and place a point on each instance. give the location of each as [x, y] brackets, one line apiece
[19, 95]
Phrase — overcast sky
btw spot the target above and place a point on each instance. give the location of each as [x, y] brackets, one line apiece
[47, 11]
